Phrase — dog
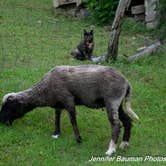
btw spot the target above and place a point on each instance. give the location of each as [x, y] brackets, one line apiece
[85, 48]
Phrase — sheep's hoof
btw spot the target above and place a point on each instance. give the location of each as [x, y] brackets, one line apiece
[110, 151]
[79, 139]
[124, 144]
[55, 136]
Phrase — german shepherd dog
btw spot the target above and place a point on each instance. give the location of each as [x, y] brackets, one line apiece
[84, 49]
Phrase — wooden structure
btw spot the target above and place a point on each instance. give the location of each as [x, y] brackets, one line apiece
[142, 10]
[138, 12]
[145, 10]
[57, 3]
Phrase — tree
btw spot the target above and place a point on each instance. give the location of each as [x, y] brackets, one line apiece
[112, 51]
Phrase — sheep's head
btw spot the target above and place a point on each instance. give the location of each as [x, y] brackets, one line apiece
[11, 109]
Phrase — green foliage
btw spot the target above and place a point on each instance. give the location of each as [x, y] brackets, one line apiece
[162, 7]
[103, 10]
[132, 27]
[161, 31]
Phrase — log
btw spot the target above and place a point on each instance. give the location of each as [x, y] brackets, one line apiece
[57, 3]
[139, 17]
[146, 52]
[112, 50]
[138, 9]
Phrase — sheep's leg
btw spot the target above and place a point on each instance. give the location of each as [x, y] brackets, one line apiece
[113, 116]
[127, 127]
[73, 120]
[57, 123]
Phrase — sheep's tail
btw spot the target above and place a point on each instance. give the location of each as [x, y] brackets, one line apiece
[128, 109]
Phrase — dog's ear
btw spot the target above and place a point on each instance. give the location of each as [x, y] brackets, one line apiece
[91, 32]
[85, 32]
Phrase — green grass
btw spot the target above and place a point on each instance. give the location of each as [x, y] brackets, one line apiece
[30, 45]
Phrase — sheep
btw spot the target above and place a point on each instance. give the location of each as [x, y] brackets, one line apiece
[64, 87]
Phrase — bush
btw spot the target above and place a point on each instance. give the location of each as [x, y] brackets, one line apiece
[161, 31]
[102, 10]
[162, 8]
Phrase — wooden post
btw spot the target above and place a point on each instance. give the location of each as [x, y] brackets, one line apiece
[78, 2]
[112, 50]
[151, 13]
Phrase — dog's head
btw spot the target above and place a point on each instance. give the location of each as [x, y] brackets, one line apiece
[88, 37]
[11, 109]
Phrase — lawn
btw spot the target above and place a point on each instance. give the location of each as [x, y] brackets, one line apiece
[33, 39]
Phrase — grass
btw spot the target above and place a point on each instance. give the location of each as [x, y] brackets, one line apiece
[32, 41]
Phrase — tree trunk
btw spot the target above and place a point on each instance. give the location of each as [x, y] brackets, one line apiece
[112, 50]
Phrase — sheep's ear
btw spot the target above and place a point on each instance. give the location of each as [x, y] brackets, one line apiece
[10, 98]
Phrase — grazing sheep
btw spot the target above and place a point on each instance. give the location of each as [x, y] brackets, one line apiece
[64, 87]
